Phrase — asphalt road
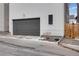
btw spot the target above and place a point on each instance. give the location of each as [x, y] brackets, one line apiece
[40, 49]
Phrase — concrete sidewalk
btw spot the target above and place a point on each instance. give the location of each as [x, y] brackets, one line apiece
[72, 44]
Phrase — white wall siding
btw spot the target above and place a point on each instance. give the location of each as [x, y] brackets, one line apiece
[21, 10]
[4, 17]
[1, 17]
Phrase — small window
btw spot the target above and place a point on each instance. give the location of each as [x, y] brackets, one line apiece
[50, 18]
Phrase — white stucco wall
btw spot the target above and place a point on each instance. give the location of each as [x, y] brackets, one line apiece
[4, 18]
[21, 10]
[1, 17]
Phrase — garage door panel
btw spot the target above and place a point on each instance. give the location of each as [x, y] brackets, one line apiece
[27, 27]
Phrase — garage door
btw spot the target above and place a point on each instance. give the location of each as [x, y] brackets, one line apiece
[26, 26]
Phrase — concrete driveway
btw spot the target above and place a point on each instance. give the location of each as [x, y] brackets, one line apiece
[25, 47]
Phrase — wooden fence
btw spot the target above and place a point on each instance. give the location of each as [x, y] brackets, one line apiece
[71, 30]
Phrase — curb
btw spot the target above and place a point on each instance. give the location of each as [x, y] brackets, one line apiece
[63, 45]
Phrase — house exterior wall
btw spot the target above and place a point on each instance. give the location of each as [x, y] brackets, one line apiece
[42, 10]
[1, 17]
[4, 18]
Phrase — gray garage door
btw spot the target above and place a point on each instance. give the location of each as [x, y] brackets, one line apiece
[26, 26]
